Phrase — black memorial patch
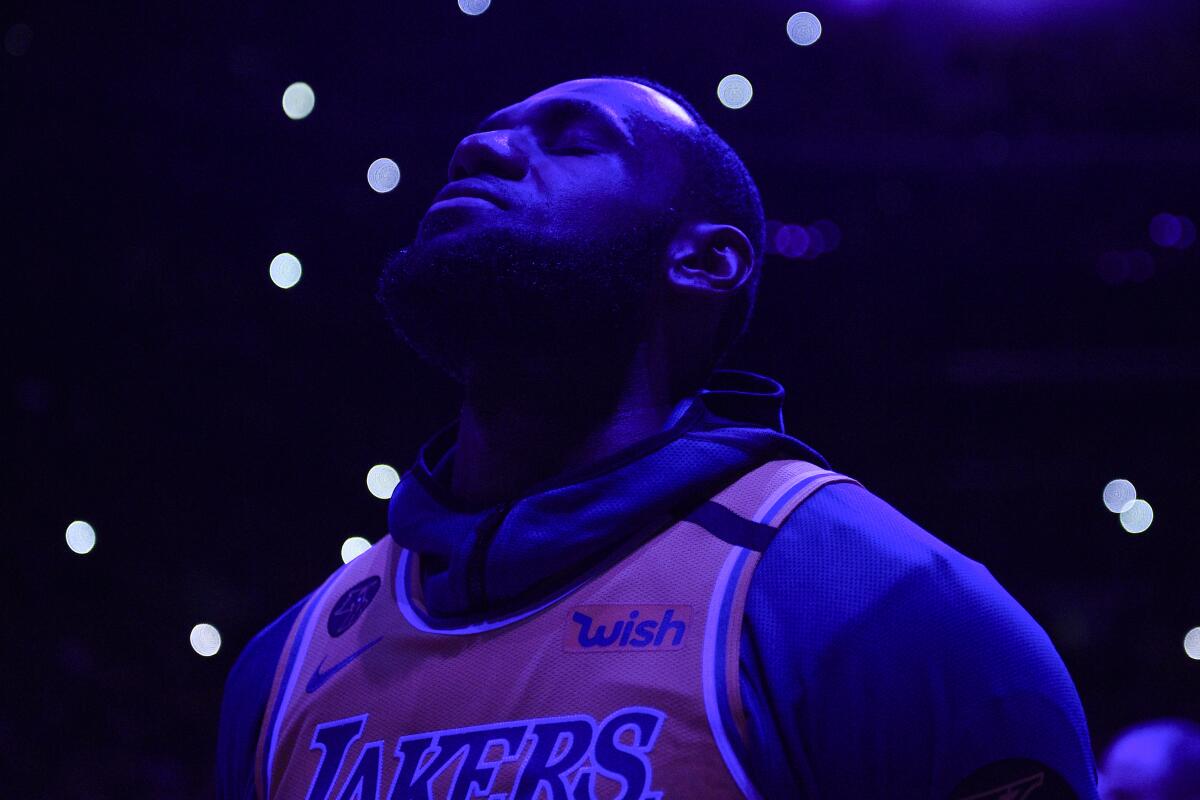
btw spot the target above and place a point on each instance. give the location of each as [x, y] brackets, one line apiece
[1014, 779]
[352, 604]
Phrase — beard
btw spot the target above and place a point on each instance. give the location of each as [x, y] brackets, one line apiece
[508, 310]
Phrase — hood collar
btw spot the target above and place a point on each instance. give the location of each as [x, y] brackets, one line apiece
[734, 396]
[476, 560]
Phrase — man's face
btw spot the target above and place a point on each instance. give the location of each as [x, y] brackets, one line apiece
[538, 255]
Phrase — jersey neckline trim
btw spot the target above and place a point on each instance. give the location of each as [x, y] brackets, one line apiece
[422, 622]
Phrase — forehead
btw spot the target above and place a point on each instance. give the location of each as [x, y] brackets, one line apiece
[624, 99]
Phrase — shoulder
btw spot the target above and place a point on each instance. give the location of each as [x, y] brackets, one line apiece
[861, 574]
[247, 689]
[857, 613]
[846, 551]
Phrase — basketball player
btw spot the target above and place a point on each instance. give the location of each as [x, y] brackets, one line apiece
[613, 574]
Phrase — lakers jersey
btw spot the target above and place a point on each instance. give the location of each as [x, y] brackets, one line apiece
[623, 685]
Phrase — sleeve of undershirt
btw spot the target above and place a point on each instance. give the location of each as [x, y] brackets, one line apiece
[879, 662]
[243, 705]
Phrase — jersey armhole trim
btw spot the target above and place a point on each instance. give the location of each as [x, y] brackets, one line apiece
[720, 674]
[716, 673]
[408, 602]
[301, 636]
[777, 507]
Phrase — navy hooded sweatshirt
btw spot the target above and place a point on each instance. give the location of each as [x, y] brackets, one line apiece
[876, 661]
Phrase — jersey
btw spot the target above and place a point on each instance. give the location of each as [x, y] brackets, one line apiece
[875, 659]
[624, 684]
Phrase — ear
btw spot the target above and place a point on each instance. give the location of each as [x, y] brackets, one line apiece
[708, 259]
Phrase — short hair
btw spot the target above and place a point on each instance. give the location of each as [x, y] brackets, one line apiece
[716, 185]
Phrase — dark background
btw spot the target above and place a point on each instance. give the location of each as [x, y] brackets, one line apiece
[994, 339]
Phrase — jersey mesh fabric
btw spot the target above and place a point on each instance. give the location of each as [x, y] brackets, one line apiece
[1005, 691]
[868, 641]
[416, 682]
[848, 595]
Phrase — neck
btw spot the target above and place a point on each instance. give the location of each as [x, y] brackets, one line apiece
[511, 439]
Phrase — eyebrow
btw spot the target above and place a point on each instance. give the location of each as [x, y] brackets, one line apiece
[567, 108]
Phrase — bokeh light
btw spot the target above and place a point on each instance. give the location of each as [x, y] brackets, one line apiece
[17, 39]
[1165, 229]
[803, 28]
[803, 241]
[1172, 230]
[1119, 495]
[791, 241]
[831, 234]
[383, 175]
[1113, 268]
[1137, 518]
[285, 270]
[354, 547]
[1141, 265]
[1187, 233]
[773, 226]
[473, 7]
[816, 242]
[205, 639]
[1191, 643]
[1116, 268]
[299, 100]
[81, 537]
[382, 480]
[734, 91]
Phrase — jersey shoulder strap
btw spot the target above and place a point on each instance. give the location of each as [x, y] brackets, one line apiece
[749, 512]
[746, 515]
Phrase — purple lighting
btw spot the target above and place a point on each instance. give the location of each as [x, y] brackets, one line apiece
[816, 243]
[792, 241]
[1172, 230]
[1187, 233]
[1116, 268]
[894, 197]
[1165, 229]
[1113, 268]
[831, 234]
[773, 227]
[865, 6]
[991, 148]
[1141, 265]
[17, 39]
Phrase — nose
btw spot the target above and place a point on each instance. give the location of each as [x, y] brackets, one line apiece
[491, 152]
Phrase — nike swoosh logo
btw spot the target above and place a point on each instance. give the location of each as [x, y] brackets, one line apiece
[318, 678]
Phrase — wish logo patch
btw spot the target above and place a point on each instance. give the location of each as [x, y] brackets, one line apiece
[618, 627]
[352, 604]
